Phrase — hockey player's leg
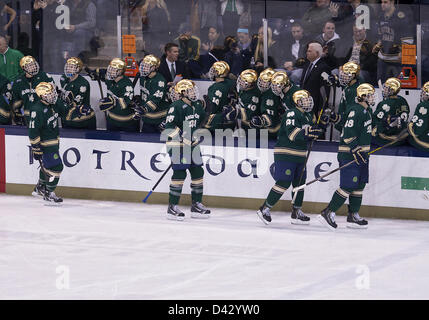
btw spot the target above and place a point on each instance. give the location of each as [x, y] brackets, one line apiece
[327, 217]
[176, 185]
[40, 189]
[354, 221]
[274, 196]
[297, 216]
[198, 210]
[51, 184]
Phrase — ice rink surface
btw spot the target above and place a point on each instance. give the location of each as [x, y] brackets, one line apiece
[113, 250]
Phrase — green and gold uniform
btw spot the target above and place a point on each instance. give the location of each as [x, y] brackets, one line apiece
[271, 110]
[5, 97]
[392, 106]
[218, 96]
[249, 102]
[184, 117]
[80, 89]
[154, 98]
[418, 128]
[348, 98]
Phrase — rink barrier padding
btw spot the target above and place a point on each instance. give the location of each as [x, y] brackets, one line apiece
[2, 161]
[252, 193]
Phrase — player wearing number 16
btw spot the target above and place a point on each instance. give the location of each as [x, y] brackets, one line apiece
[297, 130]
[354, 145]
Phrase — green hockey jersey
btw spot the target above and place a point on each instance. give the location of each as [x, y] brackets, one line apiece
[5, 97]
[249, 102]
[218, 95]
[81, 92]
[121, 115]
[418, 128]
[154, 96]
[24, 94]
[291, 144]
[356, 131]
[286, 100]
[393, 106]
[348, 98]
[271, 110]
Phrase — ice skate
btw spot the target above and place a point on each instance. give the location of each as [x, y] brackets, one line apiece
[327, 218]
[174, 213]
[199, 211]
[298, 217]
[38, 191]
[354, 221]
[264, 214]
[52, 199]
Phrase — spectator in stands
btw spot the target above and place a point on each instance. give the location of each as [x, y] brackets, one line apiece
[311, 79]
[315, 17]
[155, 25]
[207, 14]
[273, 51]
[394, 30]
[247, 48]
[329, 40]
[6, 9]
[233, 56]
[189, 44]
[231, 10]
[83, 15]
[214, 38]
[360, 52]
[9, 61]
[170, 66]
[295, 52]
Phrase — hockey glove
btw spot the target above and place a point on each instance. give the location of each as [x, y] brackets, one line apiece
[37, 152]
[84, 110]
[360, 156]
[67, 96]
[230, 113]
[257, 122]
[139, 110]
[161, 126]
[333, 116]
[107, 103]
[137, 99]
[393, 122]
[312, 133]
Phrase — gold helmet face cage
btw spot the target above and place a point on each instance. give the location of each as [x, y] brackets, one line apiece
[149, 64]
[115, 69]
[391, 87]
[219, 69]
[303, 100]
[174, 96]
[264, 79]
[424, 93]
[279, 81]
[247, 79]
[73, 66]
[187, 89]
[29, 65]
[47, 92]
[348, 72]
[366, 93]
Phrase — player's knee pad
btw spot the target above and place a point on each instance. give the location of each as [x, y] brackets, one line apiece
[197, 172]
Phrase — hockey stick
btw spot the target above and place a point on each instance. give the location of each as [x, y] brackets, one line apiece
[306, 159]
[162, 177]
[401, 136]
[87, 70]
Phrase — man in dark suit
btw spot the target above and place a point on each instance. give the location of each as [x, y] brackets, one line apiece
[312, 80]
[170, 67]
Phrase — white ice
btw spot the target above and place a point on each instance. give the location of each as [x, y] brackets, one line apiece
[112, 250]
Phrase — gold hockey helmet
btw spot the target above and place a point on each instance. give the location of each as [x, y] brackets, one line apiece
[304, 100]
[115, 69]
[29, 65]
[73, 66]
[366, 93]
[47, 92]
[279, 81]
[348, 71]
[391, 87]
[149, 64]
[264, 79]
[247, 79]
[187, 88]
[424, 93]
[219, 69]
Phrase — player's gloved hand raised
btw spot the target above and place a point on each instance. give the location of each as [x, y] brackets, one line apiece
[107, 103]
[84, 110]
[312, 133]
[139, 110]
[230, 113]
[67, 96]
[257, 122]
[393, 122]
[360, 156]
[37, 152]
[333, 116]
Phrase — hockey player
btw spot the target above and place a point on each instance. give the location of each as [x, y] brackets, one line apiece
[354, 146]
[349, 80]
[284, 88]
[75, 90]
[5, 97]
[297, 129]
[44, 138]
[248, 106]
[391, 114]
[152, 103]
[184, 117]
[418, 128]
[118, 103]
[23, 94]
[219, 95]
[271, 109]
